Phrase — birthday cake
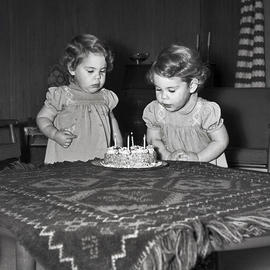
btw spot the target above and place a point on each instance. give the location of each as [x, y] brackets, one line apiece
[132, 157]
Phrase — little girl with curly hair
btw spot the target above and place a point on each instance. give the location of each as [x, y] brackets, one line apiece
[78, 118]
[181, 125]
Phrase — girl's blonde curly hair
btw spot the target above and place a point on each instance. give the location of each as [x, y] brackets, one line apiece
[80, 46]
[179, 61]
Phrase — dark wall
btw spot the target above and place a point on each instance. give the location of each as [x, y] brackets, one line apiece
[222, 19]
[36, 31]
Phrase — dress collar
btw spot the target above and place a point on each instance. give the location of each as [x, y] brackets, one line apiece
[190, 104]
[74, 86]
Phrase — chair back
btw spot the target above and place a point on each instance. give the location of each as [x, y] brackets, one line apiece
[9, 143]
[246, 116]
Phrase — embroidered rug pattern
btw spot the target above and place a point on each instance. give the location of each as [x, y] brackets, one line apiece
[77, 216]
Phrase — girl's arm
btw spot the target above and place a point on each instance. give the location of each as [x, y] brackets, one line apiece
[154, 138]
[219, 142]
[45, 120]
[116, 130]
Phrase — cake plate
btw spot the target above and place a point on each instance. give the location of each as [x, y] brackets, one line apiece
[100, 163]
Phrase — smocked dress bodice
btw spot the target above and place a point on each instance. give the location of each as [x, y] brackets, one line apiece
[187, 129]
[84, 114]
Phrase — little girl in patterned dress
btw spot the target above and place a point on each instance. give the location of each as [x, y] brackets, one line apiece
[181, 125]
[78, 118]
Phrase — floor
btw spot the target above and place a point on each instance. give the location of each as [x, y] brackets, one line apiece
[247, 259]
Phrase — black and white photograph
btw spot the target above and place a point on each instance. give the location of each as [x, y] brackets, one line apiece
[135, 135]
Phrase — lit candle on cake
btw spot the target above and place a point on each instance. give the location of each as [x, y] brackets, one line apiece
[128, 142]
[132, 140]
[115, 140]
[144, 141]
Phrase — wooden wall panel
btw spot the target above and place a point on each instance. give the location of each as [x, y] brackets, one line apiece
[37, 31]
[222, 19]
[139, 26]
[5, 98]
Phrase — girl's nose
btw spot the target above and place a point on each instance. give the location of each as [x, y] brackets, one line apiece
[163, 95]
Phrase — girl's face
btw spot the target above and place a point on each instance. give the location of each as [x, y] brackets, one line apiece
[172, 93]
[90, 74]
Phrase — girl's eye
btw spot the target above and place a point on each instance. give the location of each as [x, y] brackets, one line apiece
[90, 71]
[158, 89]
[172, 89]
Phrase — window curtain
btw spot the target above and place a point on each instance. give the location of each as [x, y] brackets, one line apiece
[250, 67]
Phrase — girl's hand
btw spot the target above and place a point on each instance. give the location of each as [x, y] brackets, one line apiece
[176, 155]
[64, 138]
[184, 156]
[189, 156]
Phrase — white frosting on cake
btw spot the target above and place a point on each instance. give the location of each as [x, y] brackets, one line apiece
[132, 157]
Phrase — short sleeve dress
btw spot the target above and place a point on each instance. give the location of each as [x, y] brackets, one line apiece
[188, 128]
[84, 114]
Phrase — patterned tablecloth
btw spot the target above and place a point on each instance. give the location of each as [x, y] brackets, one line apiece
[78, 216]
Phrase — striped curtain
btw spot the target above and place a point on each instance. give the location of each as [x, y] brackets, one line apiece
[250, 67]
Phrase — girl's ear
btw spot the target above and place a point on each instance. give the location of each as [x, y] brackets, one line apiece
[70, 69]
[193, 85]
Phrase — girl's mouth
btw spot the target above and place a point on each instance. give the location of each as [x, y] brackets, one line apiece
[166, 105]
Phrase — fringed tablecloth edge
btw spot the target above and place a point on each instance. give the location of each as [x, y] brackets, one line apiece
[188, 241]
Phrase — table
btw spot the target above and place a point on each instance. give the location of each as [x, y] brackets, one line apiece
[78, 216]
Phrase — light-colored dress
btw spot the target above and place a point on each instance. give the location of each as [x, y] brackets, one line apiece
[84, 114]
[188, 128]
